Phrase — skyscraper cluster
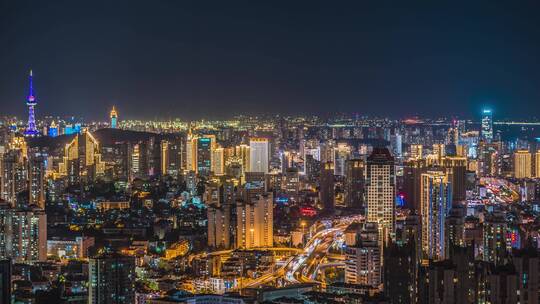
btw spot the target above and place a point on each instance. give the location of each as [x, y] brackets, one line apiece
[389, 211]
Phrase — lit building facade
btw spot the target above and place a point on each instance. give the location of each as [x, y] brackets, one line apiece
[326, 186]
[114, 118]
[486, 131]
[435, 203]
[25, 234]
[111, 279]
[259, 155]
[381, 192]
[219, 225]
[363, 261]
[82, 159]
[31, 102]
[354, 183]
[522, 164]
[495, 239]
[255, 221]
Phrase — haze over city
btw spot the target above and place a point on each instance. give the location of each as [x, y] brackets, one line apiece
[188, 59]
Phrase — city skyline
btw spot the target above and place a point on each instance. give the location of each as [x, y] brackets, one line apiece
[165, 152]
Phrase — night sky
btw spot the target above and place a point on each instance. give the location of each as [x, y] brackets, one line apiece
[195, 59]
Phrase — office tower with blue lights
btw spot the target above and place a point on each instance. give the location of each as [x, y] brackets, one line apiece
[114, 118]
[53, 129]
[487, 125]
[205, 147]
[31, 102]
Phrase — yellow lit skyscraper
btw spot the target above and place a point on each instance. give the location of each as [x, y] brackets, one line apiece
[255, 222]
[522, 164]
[439, 151]
[242, 153]
[82, 158]
[218, 161]
[164, 156]
[416, 151]
[435, 202]
[537, 163]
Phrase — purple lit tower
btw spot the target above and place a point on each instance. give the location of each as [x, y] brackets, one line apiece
[31, 102]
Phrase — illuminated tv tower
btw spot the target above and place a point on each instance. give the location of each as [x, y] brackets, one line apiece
[31, 102]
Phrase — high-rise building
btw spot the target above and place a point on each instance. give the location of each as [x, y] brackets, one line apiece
[219, 226]
[526, 263]
[416, 151]
[114, 118]
[36, 179]
[435, 201]
[164, 156]
[199, 153]
[53, 129]
[396, 144]
[486, 132]
[363, 261]
[135, 155]
[82, 159]
[537, 164]
[354, 183]
[399, 286]
[14, 174]
[255, 220]
[439, 151]
[412, 172]
[495, 238]
[291, 184]
[31, 102]
[326, 186]
[258, 155]
[205, 148]
[111, 279]
[522, 164]
[458, 166]
[5, 281]
[342, 154]
[191, 151]
[381, 192]
[242, 156]
[26, 234]
[218, 161]
[455, 229]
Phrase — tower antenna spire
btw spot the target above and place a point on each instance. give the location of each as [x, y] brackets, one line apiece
[31, 102]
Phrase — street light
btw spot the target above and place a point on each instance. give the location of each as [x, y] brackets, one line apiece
[303, 224]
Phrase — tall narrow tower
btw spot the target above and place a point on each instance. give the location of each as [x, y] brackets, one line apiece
[114, 118]
[31, 102]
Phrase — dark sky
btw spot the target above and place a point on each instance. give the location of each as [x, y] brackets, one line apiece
[192, 59]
